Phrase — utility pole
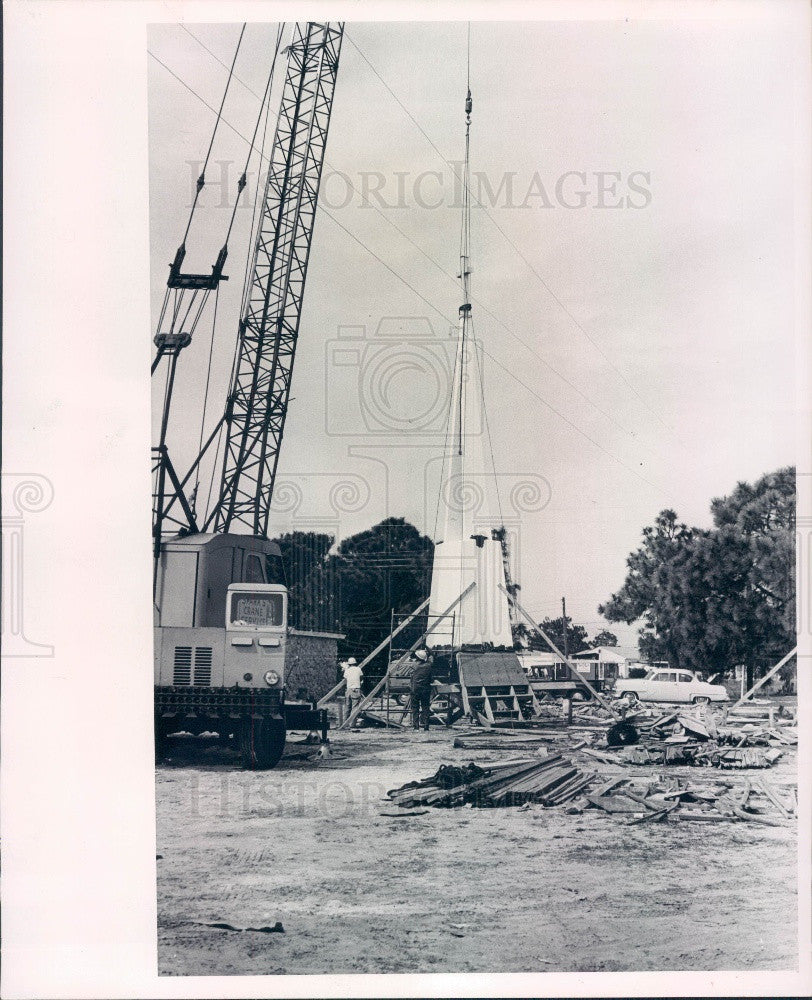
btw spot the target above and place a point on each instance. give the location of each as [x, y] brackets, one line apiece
[564, 619]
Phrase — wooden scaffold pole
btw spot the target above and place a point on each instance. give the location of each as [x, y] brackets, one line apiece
[540, 631]
[371, 656]
[392, 666]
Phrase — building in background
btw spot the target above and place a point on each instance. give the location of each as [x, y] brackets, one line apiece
[618, 660]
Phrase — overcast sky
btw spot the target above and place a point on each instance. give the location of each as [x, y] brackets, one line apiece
[636, 357]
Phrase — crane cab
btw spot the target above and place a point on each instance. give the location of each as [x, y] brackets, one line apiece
[194, 573]
[221, 611]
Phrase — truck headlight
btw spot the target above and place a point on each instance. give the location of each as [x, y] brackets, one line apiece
[271, 677]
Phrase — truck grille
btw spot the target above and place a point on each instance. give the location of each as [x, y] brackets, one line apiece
[183, 666]
[203, 666]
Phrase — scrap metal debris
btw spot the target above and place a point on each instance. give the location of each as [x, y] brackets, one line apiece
[550, 782]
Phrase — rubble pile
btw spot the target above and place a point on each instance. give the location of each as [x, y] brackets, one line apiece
[696, 736]
[755, 737]
[673, 799]
[694, 754]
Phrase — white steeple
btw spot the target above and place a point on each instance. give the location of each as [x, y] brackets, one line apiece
[465, 550]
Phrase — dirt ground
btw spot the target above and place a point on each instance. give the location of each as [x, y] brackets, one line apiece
[463, 890]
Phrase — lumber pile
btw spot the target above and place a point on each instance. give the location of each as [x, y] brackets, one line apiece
[675, 800]
[550, 782]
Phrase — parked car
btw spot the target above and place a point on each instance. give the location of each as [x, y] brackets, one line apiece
[670, 685]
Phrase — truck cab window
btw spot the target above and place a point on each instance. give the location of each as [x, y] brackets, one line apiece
[254, 569]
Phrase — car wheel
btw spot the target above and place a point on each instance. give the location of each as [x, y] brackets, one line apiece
[631, 697]
[700, 699]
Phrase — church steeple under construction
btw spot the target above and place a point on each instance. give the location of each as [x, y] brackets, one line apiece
[465, 550]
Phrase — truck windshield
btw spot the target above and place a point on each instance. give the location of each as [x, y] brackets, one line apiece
[256, 610]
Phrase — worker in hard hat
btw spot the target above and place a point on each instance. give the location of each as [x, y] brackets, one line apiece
[353, 676]
[422, 676]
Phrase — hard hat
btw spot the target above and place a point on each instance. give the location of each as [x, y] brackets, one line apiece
[421, 654]
[352, 662]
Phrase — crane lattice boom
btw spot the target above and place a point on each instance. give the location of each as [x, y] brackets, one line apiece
[260, 388]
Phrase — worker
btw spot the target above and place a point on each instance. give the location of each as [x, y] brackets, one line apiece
[421, 688]
[353, 676]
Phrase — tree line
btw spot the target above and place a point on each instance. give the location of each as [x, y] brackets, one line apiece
[718, 597]
[702, 598]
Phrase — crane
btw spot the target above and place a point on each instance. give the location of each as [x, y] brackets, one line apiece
[222, 646]
[257, 402]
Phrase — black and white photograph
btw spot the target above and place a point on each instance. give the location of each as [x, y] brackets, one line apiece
[474, 499]
[471, 569]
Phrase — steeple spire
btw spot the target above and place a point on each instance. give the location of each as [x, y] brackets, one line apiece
[465, 253]
[465, 550]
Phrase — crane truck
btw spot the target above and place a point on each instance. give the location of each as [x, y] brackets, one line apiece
[223, 644]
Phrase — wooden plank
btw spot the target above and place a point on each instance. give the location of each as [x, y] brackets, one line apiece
[404, 814]
[751, 818]
[609, 786]
[654, 817]
[379, 648]
[764, 679]
[613, 803]
[765, 788]
[690, 815]
[540, 631]
[599, 755]
[573, 790]
[381, 719]
[655, 805]
[392, 666]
